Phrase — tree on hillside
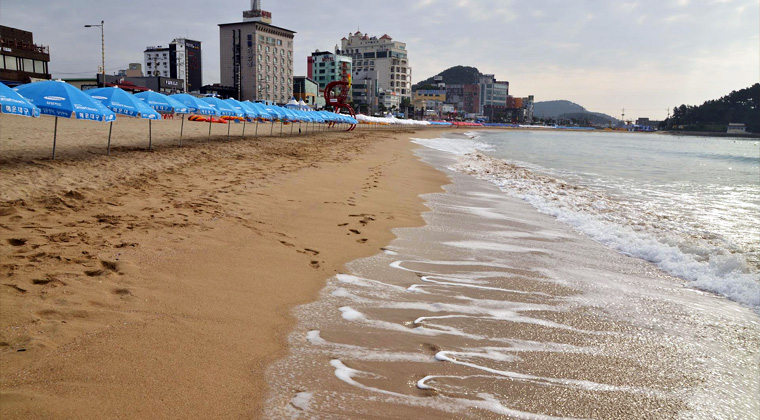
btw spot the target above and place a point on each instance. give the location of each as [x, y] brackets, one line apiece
[457, 75]
[741, 106]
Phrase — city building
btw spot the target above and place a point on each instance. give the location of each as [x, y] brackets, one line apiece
[381, 70]
[736, 128]
[134, 70]
[166, 85]
[464, 98]
[325, 67]
[256, 58]
[180, 60]
[21, 60]
[429, 103]
[493, 94]
[307, 90]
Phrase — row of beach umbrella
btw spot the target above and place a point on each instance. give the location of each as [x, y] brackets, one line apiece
[60, 99]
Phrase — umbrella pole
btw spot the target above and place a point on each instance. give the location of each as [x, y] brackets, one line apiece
[256, 133]
[271, 130]
[281, 125]
[209, 127]
[150, 134]
[243, 128]
[229, 123]
[55, 135]
[291, 129]
[181, 129]
[110, 129]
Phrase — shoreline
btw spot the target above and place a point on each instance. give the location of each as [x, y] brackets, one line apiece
[495, 309]
[161, 284]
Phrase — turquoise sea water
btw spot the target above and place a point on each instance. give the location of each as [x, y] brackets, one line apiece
[691, 205]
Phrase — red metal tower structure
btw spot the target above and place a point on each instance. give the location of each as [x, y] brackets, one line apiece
[338, 101]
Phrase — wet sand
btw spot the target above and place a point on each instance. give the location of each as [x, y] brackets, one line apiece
[160, 284]
[494, 310]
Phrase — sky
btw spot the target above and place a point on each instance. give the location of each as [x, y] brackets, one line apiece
[642, 55]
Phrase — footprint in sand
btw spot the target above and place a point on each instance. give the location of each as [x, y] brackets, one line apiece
[355, 231]
[362, 240]
[13, 286]
[314, 264]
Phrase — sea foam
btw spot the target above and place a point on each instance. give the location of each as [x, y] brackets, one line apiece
[705, 265]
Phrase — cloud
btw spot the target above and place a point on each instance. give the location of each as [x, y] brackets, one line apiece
[637, 53]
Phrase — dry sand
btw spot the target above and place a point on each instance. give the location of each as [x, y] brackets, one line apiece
[160, 284]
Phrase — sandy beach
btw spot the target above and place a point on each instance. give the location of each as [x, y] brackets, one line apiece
[160, 284]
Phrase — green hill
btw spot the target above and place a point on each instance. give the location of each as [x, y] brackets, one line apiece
[457, 75]
[741, 106]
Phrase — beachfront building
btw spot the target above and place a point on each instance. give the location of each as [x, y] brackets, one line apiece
[180, 60]
[429, 103]
[325, 67]
[493, 93]
[21, 60]
[736, 128]
[381, 70]
[256, 57]
[307, 90]
[465, 98]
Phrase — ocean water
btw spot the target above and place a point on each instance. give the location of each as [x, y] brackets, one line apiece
[691, 205]
[540, 287]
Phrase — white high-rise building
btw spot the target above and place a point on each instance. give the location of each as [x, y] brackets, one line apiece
[180, 60]
[381, 70]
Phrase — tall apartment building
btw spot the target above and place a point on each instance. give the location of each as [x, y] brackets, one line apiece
[381, 71]
[493, 93]
[180, 60]
[325, 67]
[256, 57]
[21, 60]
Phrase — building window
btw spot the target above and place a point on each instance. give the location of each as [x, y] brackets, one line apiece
[39, 67]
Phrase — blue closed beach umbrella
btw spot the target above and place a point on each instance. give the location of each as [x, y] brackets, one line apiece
[13, 103]
[124, 103]
[61, 99]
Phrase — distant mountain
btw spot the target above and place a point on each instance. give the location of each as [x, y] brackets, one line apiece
[570, 110]
[457, 75]
[553, 109]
